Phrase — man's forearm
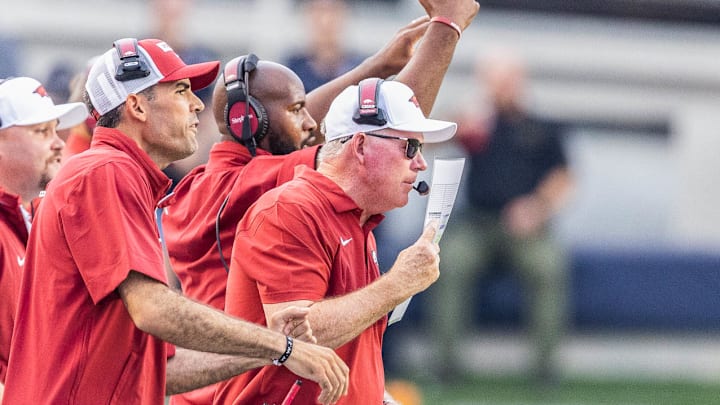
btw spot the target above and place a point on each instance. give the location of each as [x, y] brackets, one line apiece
[164, 313]
[190, 369]
[338, 320]
[425, 72]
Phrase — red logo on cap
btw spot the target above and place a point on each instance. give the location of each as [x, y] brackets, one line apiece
[414, 101]
[41, 91]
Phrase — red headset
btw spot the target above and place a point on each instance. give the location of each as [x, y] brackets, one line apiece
[368, 112]
[245, 116]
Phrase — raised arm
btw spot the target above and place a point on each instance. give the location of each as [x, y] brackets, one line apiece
[422, 68]
[389, 60]
[426, 70]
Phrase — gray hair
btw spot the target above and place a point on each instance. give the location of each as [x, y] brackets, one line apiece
[332, 149]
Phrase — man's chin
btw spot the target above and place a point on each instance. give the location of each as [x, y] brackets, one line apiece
[52, 170]
[401, 201]
[189, 151]
[283, 150]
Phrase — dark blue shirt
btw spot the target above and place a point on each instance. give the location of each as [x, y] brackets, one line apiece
[301, 64]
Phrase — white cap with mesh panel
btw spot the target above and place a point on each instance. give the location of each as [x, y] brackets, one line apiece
[400, 109]
[164, 65]
[24, 101]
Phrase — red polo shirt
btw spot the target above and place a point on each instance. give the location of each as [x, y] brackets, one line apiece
[303, 241]
[13, 237]
[190, 216]
[74, 341]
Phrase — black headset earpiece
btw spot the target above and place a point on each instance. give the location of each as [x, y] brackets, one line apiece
[369, 113]
[132, 64]
[245, 116]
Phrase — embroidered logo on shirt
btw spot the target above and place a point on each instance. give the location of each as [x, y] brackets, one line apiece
[344, 242]
[21, 261]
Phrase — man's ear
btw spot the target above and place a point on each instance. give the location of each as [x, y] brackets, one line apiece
[136, 107]
[358, 146]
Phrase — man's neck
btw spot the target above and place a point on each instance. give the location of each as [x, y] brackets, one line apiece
[351, 186]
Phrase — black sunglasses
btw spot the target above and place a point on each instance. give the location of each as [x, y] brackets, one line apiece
[412, 147]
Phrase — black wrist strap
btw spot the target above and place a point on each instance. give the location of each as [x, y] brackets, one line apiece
[286, 355]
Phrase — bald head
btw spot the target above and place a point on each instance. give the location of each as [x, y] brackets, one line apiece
[282, 94]
[269, 83]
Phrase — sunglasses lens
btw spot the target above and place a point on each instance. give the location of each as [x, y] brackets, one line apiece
[413, 147]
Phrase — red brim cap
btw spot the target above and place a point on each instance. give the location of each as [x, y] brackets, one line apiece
[201, 75]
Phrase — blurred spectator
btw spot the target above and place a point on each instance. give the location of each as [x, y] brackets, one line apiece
[10, 57]
[517, 180]
[325, 56]
[77, 138]
[58, 81]
[169, 22]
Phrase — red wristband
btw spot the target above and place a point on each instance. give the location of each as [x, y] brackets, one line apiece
[449, 23]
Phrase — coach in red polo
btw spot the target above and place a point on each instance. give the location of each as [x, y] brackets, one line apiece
[309, 242]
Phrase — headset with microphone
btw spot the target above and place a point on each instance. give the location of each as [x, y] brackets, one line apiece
[370, 113]
[422, 188]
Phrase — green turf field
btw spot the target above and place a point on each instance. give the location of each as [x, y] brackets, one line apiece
[516, 391]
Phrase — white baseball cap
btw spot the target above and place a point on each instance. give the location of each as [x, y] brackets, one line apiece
[395, 103]
[24, 101]
[158, 62]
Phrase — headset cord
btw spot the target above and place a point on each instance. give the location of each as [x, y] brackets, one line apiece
[217, 233]
[247, 135]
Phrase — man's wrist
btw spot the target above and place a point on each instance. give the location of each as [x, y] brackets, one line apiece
[450, 23]
[286, 354]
